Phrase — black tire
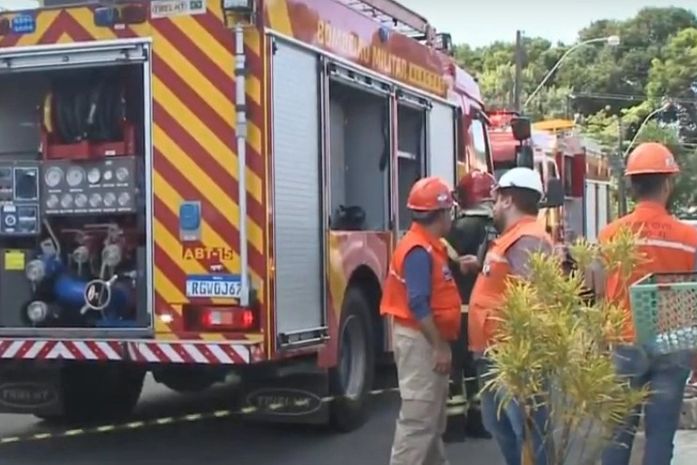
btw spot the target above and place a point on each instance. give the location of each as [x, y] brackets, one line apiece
[352, 379]
[98, 393]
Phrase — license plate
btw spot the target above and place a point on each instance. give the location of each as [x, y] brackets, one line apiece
[214, 287]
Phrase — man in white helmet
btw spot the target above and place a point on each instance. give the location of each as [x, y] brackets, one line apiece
[518, 195]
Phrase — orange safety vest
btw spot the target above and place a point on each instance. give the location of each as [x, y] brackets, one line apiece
[445, 299]
[668, 246]
[490, 287]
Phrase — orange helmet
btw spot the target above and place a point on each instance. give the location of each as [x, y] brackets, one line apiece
[651, 158]
[475, 187]
[430, 194]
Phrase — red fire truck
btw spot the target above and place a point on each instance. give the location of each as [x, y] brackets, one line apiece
[512, 146]
[192, 188]
[585, 172]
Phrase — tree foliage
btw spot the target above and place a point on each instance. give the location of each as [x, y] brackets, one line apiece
[611, 90]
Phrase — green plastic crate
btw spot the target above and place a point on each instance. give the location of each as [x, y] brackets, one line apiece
[664, 306]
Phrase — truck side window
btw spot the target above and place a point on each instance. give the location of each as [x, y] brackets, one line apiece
[479, 144]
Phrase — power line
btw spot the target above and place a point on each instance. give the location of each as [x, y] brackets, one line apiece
[628, 97]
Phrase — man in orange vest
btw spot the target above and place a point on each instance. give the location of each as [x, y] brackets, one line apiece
[421, 297]
[518, 194]
[669, 246]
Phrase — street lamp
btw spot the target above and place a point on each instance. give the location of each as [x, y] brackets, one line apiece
[612, 41]
[666, 105]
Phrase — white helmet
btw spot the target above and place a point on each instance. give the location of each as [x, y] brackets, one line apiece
[522, 178]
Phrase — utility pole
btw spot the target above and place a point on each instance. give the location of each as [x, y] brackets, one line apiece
[518, 70]
[621, 182]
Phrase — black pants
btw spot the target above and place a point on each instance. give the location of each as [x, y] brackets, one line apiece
[463, 367]
[464, 415]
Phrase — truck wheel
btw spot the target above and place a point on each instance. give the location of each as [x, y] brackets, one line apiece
[93, 392]
[352, 379]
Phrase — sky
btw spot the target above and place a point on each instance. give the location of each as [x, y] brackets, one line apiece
[480, 22]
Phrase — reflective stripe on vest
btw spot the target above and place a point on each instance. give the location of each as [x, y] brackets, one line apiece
[669, 246]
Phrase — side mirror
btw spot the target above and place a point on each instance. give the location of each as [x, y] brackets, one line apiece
[521, 127]
[525, 157]
[444, 43]
[555, 194]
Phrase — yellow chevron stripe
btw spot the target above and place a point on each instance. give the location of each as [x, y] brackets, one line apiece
[200, 85]
[218, 149]
[85, 18]
[64, 39]
[209, 236]
[168, 291]
[279, 16]
[337, 277]
[189, 169]
[252, 39]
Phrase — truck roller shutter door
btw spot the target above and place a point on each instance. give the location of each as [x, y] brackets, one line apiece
[298, 238]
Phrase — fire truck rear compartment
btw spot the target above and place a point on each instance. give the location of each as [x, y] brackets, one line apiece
[73, 198]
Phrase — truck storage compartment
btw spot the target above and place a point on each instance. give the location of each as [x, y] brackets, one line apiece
[359, 158]
[72, 196]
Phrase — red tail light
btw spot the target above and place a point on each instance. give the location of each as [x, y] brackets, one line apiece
[226, 319]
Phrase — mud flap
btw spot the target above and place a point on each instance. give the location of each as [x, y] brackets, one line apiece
[296, 398]
[30, 390]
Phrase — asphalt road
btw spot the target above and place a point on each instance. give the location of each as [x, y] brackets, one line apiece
[220, 441]
[230, 441]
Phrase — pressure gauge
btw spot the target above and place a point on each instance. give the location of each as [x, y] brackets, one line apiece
[124, 198]
[95, 200]
[121, 174]
[80, 200]
[75, 176]
[109, 199]
[52, 201]
[93, 176]
[66, 201]
[53, 176]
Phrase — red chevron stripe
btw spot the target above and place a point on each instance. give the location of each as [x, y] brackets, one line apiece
[217, 29]
[199, 106]
[203, 158]
[9, 40]
[75, 30]
[197, 57]
[55, 30]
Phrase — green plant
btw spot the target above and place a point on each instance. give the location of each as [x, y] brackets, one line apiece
[556, 349]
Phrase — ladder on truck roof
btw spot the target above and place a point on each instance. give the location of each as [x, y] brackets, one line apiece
[404, 20]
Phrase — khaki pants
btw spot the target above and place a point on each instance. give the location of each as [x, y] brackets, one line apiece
[422, 418]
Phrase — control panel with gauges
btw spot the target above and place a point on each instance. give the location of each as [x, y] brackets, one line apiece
[19, 199]
[102, 186]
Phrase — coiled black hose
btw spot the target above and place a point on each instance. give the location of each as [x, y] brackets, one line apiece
[89, 108]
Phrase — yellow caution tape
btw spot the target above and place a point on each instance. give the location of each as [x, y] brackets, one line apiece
[170, 420]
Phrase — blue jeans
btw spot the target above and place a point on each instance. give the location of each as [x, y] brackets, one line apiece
[666, 376]
[508, 425]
